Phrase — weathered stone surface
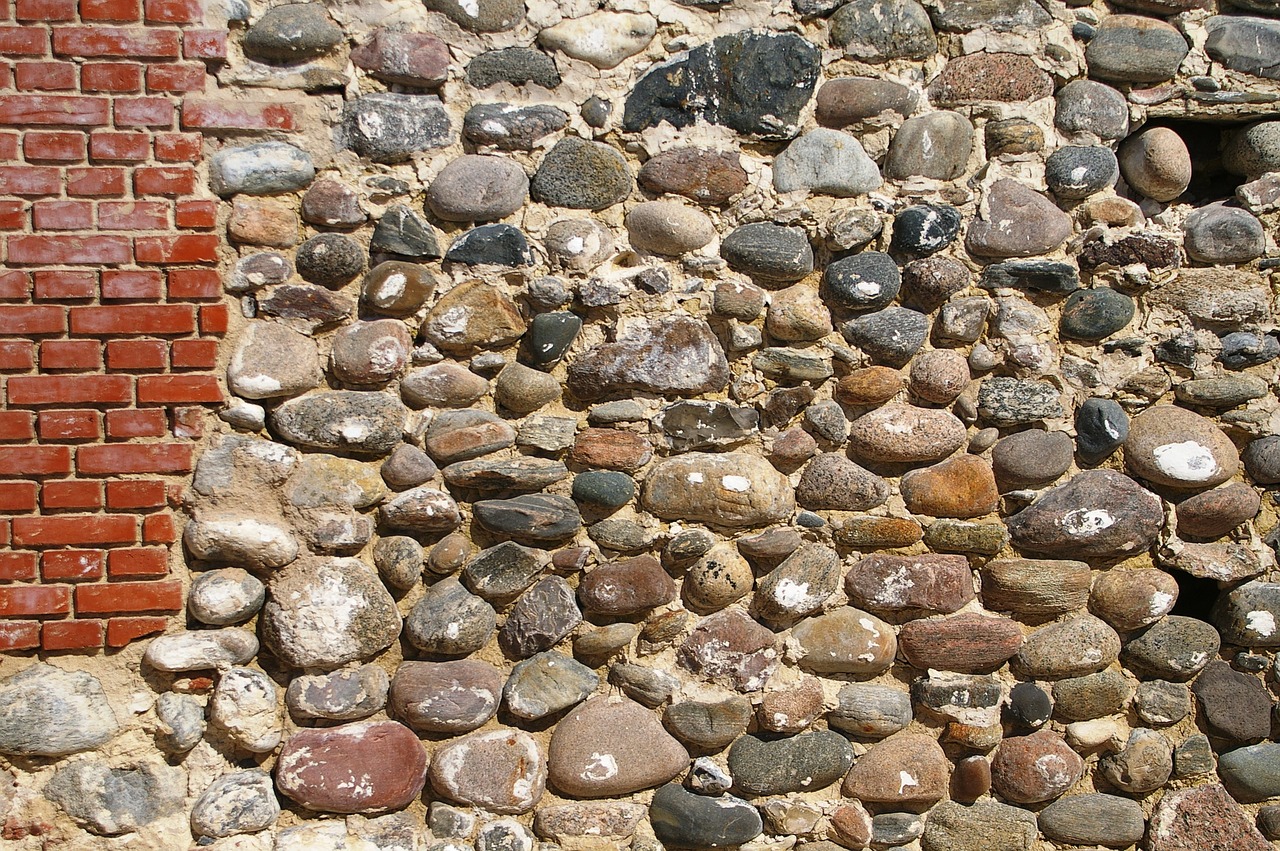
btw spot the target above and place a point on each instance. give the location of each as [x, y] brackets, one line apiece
[1202, 817]
[46, 711]
[629, 587]
[932, 583]
[345, 695]
[501, 771]
[474, 314]
[876, 31]
[1134, 49]
[201, 650]
[1172, 446]
[680, 817]
[1247, 615]
[1071, 648]
[1094, 819]
[1098, 513]
[238, 802]
[730, 647]
[986, 825]
[808, 761]
[110, 801]
[1236, 706]
[969, 643]
[705, 176]
[1173, 648]
[271, 360]
[1034, 768]
[389, 128]
[844, 641]
[907, 771]
[733, 490]
[365, 767]
[1035, 586]
[365, 423]
[678, 355]
[445, 697]
[611, 746]
[904, 433]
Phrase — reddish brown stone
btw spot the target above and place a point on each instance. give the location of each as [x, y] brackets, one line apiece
[962, 487]
[907, 771]
[931, 582]
[365, 767]
[710, 177]
[790, 710]
[968, 643]
[625, 588]
[847, 100]
[611, 449]
[1003, 77]
[878, 533]
[971, 779]
[261, 221]
[1035, 768]
[1200, 819]
[731, 646]
[408, 58]
[871, 385]
[851, 826]
[792, 448]
[1216, 512]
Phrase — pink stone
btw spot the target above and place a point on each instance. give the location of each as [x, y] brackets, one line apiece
[365, 767]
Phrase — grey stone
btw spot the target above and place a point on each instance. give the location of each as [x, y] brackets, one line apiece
[271, 360]
[110, 801]
[869, 280]
[226, 596]
[201, 650]
[364, 423]
[501, 572]
[543, 615]
[1071, 648]
[181, 718]
[985, 825]
[1038, 225]
[676, 355]
[330, 259]
[1160, 702]
[1087, 107]
[1134, 49]
[867, 710]
[647, 686]
[950, 137]
[1173, 648]
[537, 518]
[1011, 401]
[346, 695]
[997, 15]
[1222, 235]
[292, 33]
[238, 802]
[515, 65]
[877, 31]
[404, 233]
[710, 726]
[890, 336]
[1076, 172]
[1245, 44]
[475, 188]
[684, 818]
[547, 683]
[491, 245]
[1235, 705]
[1251, 773]
[1091, 696]
[482, 16]
[387, 127]
[45, 711]
[1144, 765]
[807, 761]
[582, 175]
[419, 510]
[265, 168]
[1094, 819]
[450, 621]
[826, 162]
[1253, 150]
[509, 127]
[1247, 615]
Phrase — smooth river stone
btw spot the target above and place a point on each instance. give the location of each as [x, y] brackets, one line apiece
[683, 818]
[1132, 599]
[445, 697]
[845, 641]
[805, 762]
[933, 583]
[501, 771]
[898, 432]
[1020, 222]
[365, 767]
[1071, 648]
[1247, 615]
[609, 747]
[1172, 446]
[1035, 768]
[905, 772]
[1098, 513]
[969, 643]
[1094, 819]
[733, 490]
[1035, 586]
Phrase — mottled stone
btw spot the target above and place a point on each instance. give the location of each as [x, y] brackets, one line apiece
[238, 802]
[407, 58]
[1034, 768]
[110, 801]
[933, 583]
[1071, 648]
[547, 683]
[870, 711]
[1132, 599]
[877, 31]
[705, 176]
[445, 697]
[365, 767]
[1134, 49]
[199, 650]
[474, 314]
[678, 355]
[543, 615]
[968, 643]
[1003, 77]
[826, 162]
[1038, 227]
[46, 711]
[950, 143]
[387, 127]
[729, 646]
[685, 818]
[729, 490]
[768, 252]
[581, 175]
[845, 641]
[1199, 818]
[629, 587]
[903, 433]
[808, 761]
[501, 771]
[346, 695]
[1098, 513]
[963, 486]
[1178, 448]
[1144, 765]
[1236, 705]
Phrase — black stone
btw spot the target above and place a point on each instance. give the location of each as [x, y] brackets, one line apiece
[1095, 314]
[1179, 350]
[1043, 275]
[925, 228]
[1102, 427]
[891, 336]
[683, 819]
[501, 572]
[1242, 349]
[515, 65]
[596, 111]
[405, 233]
[754, 83]
[511, 128]
[1149, 249]
[492, 245]
[330, 259]
[768, 251]
[866, 281]
[538, 517]
[1075, 172]
[550, 335]
[1029, 705]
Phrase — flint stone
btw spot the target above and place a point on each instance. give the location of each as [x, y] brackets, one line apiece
[1134, 49]
[182, 724]
[535, 518]
[445, 697]
[547, 683]
[676, 355]
[699, 424]
[708, 726]
[966, 699]
[542, 616]
[389, 128]
[404, 233]
[508, 127]
[1245, 44]
[611, 746]
[45, 711]
[248, 541]
[949, 137]
[997, 15]
[359, 422]
[201, 650]
[1098, 513]
[365, 767]
[804, 762]
[267, 168]
[501, 771]
[682, 818]
[346, 695]
[244, 708]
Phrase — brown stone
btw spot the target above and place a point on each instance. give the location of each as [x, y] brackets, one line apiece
[1035, 768]
[1172, 446]
[306, 305]
[832, 481]
[397, 288]
[792, 448]
[729, 646]
[1203, 818]
[929, 281]
[365, 767]
[962, 487]
[848, 100]
[932, 582]
[904, 433]
[474, 314]
[609, 747]
[905, 772]
[407, 58]
[462, 435]
[1019, 222]
[1132, 599]
[502, 771]
[870, 385]
[606, 820]
[1097, 513]
[262, 221]
[968, 643]
[1003, 77]
[851, 825]
[329, 203]
[709, 177]
[442, 385]
[718, 578]
[877, 533]
[611, 449]
[624, 588]
[971, 779]
[939, 376]
[1070, 648]
[371, 353]
[792, 709]
[445, 697]
[845, 641]
[1216, 512]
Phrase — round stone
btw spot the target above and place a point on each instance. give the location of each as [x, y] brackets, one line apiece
[1035, 768]
[365, 767]
[1135, 49]
[238, 802]
[1089, 108]
[1096, 314]
[292, 34]
[625, 588]
[1078, 172]
[925, 228]
[1144, 765]
[768, 252]
[905, 772]
[445, 697]
[346, 695]
[397, 288]
[1174, 648]
[1254, 150]
[903, 433]
[668, 227]
[949, 144]
[849, 100]
[229, 595]
[1178, 448]
[877, 31]
[603, 488]
[826, 162]
[502, 771]
[866, 281]
[845, 641]
[718, 578]
[582, 175]
[450, 621]
[1223, 236]
[476, 188]
[1070, 648]
[609, 747]
[1030, 705]
[928, 282]
[372, 352]
[330, 259]
[1216, 512]
[1156, 163]
[680, 817]
[939, 376]
[1031, 458]
[808, 761]
[523, 390]
[1262, 460]
[962, 487]
[1132, 599]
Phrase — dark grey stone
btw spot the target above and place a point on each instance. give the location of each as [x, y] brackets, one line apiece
[547, 683]
[768, 251]
[515, 65]
[491, 245]
[330, 259]
[550, 335]
[292, 33]
[1051, 276]
[1095, 314]
[582, 175]
[804, 762]
[1102, 427]
[1236, 706]
[880, 30]
[501, 572]
[1094, 819]
[534, 518]
[1173, 648]
[1090, 107]
[891, 336]
[388, 128]
[603, 488]
[1075, 172]
[925, 229]
[403, 232]
[1252, 774]
[1030, 705]
[543, 615]
[687, 426]
[1250, 45]
[866, 281]
[684, 819]
[1243, 349]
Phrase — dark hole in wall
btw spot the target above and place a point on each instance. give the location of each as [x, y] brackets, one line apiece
[1195, 596]
[1205, 141]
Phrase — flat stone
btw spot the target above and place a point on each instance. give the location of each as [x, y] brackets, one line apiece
[1135, 49]
[1031, 458]
[1014, 136]
[501, 572]
[1002, 77]
[685, 818]
[407, 58]
[365, 767]
[1098, 513]
[1094, 819]
[387, 127]
[870, 711]
[1223, 236]
[625, 588]
[676, 355]
[50, 712]
[1236, 705]
[1160, 703]
[502, 771]
[508, 127]
[877, 31]
[789, 365]
[1243, 349]
[564, 823]
[266, 168]
[604, 39]
[543, 615]
[826, 162]
[905, 772]
[974, 701]
[731, 647]
[931, 582]
[547, 683]
[967, 643]
[1080, 645]
[110, 801]
[1040, 227]
[844, 641]
[768, 252]
[950, 137]
[733, 490]
[1096, 314]
[1201, 817]
[421, 509]
[240, 540]
[445, 697]
[611, 746]
[405, 233]
[200, 650]
[1035, 768]
[516, 65]
[702, 175]
[997, 15]
[804, 762]
[985, 825]
[1091, 696]
[271, 360]
[1244, 44]
[346, 695]
[475, 188]
[708, 726]
[701, 425]
[898, 432]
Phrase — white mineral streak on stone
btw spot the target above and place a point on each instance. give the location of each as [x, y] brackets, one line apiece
[905, 780]
[1085, 522]
[600, 766]
[740, 484]
[1261, 622]
[791, 594]
[1187, 461]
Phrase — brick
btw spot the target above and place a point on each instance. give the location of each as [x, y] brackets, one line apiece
[133, 215]
[73, 565]
[70, 425]
[159, 529]
[136, 355]
[65, 284]
[196, 215]
[121, 459]
[32, 319]
[19, 635]
[164, 180]
[17, 601]
[178, 147]
[17, 567]
[127, 597]
[71, 354]
[121, 631]
[238, 115]
[176, 77]
[188, 248]
[54, 146]
[108, 146]
[126, 425]
[138, 562]
[70, 249]
[52, 214]
[125, 42]
[132, 320]
[17, 425]
[36, 390]
[96, 181]
[116, 77]
[214, 319]
[8, 144]
[13, 216]
[77, 635]
[110, 10]
[209, 45]
[173, 11]
[45, 76]
[194, 354]
[72, 494]
[143, 112]
[14, 284]
[23, 41]
[34, 460]
[30, 180]
[135, 494]
[75, 529]
[27, 110]
[132, 283]
[44, 10]
[17, 497]
[194, 284]
[178, 389]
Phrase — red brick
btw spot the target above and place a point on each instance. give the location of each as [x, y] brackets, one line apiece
[110, 10]
[45, 76]
[26, 110]
[187, 422]
[210, 45]
[178, 147]
[117, 77]
[18, 566]
[121, 631]
[96, 181]
[14, 284]
[17, 497]
[139, 562]
[34, 600]
[44, 10]
[178, 389]
[197, 215]
[133, 215]
[238, 115]
[135, 493]
[23, 41]
[54, 146]
[74, 494]
[129, 597]
[75, 529]
[77, 635]
[136, 355]
[32, 319]
[13, 216]
[17, 425]
[132, 320]
[62, 215]
[70, 389]
[176, 77]
[81, 355]
[34, 460]
[126, 42]
[107, 146]
[214, 319]
[65, 284]
[30, 180]
[173, 11]
[194, 284]
[70, 425]
[159, 529]
[73, 565]
[164, 180]
[17, 635]
[125, 425]
[132, 283]
[134, 458]
[188, 248]
[143, 112]
[194, 354]
[70, 249]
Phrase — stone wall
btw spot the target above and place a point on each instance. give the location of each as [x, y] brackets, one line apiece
[836, 425]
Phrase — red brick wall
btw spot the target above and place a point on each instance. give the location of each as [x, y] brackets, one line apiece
[110, 312]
